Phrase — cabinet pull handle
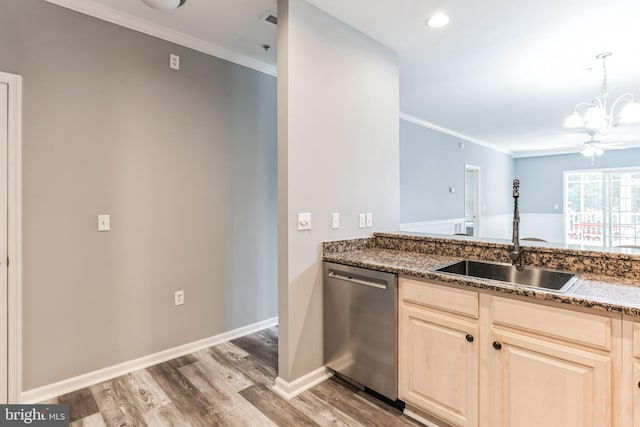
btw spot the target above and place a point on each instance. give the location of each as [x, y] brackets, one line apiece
[497, 345]
[365, 282]
[469, 337]
[639, 384]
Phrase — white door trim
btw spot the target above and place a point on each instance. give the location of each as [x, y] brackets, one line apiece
[476, 202]
[14, 234]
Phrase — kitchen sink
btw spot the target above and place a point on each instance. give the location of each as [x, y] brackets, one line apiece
[534, 277]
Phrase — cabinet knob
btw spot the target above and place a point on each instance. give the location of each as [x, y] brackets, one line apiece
[497, 345]
[469, 337]
[638, 384]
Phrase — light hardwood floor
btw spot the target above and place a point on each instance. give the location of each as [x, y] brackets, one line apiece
[226, 385]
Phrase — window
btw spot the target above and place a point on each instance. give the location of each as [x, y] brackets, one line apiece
[602, 208]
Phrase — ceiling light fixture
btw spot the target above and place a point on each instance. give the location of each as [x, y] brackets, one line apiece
[164, 4]
[596, 116]
[591, 148]
[592, 151]
[438, 20]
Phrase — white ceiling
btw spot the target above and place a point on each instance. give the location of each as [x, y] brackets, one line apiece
[503, 72]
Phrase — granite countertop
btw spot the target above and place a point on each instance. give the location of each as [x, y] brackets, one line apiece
[598, 291]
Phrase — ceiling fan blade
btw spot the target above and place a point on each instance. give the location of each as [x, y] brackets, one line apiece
[612, 145]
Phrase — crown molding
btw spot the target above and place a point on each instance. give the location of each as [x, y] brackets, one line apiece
[546, 152]
[420, 122]
[114, 16]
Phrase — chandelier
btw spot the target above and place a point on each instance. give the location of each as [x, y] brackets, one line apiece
[596, 114]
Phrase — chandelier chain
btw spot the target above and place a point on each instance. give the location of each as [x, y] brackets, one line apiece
[604, 90]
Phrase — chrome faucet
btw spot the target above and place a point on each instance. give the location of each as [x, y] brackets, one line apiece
[516, 253]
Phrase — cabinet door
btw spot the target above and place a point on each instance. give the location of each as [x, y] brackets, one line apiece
[632, 359]
[540, 383]
[636, 393]
[438, 369]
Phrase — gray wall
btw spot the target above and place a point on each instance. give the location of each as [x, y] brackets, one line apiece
[185, 163]
[431, 162]
[542, 178]
[338, 103]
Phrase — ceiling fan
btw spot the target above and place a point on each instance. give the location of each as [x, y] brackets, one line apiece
[594, 147]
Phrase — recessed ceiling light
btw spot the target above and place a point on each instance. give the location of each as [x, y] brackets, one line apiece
[164, 4]
[438, 20]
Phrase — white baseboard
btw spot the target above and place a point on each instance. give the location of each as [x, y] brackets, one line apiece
[290, 390]
[441, 226]
[549, 227]
[66, 386]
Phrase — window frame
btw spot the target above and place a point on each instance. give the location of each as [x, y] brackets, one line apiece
[566, 173]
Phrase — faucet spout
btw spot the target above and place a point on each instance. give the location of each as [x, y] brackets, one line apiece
[516, 253]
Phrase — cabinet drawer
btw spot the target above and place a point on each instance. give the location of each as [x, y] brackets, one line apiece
[441, 297]
[573, 326]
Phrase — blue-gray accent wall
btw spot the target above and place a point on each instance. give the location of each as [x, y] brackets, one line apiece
[542, 180]
[431, 162]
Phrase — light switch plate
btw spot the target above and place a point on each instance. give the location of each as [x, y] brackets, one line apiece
[335, 220]
[361, 221]
[369, 219]
[178, 297]
[304, 221]
[104, 223]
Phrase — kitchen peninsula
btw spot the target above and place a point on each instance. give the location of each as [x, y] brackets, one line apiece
[482, 352]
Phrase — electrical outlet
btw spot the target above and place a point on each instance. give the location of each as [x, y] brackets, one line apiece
[178, 298]
[174, 61]
[361, 221]
[369, 219]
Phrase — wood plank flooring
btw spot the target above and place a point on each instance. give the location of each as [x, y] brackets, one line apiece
[226, 385]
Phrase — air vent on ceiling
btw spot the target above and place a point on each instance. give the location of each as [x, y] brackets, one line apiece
[270, 17]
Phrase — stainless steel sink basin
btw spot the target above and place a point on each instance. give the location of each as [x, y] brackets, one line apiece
[535, 277]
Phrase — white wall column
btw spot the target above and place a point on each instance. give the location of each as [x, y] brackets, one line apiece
[338, 151]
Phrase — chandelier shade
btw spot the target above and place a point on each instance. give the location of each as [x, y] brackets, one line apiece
[630, 113]
[574, 121]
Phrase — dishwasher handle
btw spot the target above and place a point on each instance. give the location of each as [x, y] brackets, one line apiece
[359, 281]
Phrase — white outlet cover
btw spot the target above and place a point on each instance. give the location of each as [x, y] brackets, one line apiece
[369, 219]
[174, 61]
[362, 221]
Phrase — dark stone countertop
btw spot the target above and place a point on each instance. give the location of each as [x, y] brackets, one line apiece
[612, 294]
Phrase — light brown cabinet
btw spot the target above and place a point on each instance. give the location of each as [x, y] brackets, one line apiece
[529, 364]
[550, 366]
[438, 351]
[631, 372]
[542, 383]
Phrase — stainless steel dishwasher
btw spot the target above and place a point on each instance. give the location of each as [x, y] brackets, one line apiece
[360, 326]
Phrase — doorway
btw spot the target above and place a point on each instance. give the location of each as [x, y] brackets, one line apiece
[10, 237]
[472, 200]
